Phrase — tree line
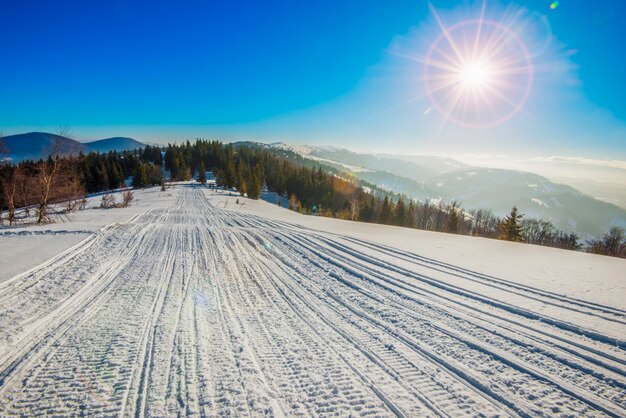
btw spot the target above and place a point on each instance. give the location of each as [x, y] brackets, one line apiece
[40, 187]
[250, 170]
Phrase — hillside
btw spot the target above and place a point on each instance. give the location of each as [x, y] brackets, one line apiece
[36, 145]
[113, 144]
[438, 178]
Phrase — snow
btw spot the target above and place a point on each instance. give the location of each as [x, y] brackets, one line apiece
[352, 168]
[188, 303]
[20, 253]
[539, 202]
[307, 151]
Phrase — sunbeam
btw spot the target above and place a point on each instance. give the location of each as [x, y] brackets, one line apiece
[482, 64]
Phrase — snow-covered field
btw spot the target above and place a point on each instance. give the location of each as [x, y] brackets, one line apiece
[187, 303]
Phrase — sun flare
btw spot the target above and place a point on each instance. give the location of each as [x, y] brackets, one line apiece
[478, 72]
[474, 75]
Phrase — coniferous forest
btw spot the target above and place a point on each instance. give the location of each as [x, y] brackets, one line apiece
[313, 190]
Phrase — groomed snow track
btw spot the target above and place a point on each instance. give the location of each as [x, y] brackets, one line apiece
[195, 310]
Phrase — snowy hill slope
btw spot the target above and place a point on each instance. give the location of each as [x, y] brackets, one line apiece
[434, 178]
[199, 305]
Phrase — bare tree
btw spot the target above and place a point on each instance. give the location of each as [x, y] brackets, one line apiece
[12, 186]
[424, 215]
[108, 201]
[612, 243]
[354, 209]
[47, 172]
[537, 231]
[127, 197]
[483, 223]
[57, 178]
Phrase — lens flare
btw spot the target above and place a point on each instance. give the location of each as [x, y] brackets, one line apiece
[474, 74]
[478, 72]
[554, 5]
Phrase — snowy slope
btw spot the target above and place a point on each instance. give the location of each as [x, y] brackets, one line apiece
[202, 306]
[24, 247]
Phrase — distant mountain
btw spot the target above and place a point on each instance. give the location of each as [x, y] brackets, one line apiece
[535, 196]
[114, 144]
[36, 145]
[437, 178]
[414, 167]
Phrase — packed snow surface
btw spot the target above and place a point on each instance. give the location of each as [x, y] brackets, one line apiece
[197, 305]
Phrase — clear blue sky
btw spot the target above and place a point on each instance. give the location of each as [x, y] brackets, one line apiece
[292, 70]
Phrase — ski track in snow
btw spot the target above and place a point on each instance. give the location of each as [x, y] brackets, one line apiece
[194, 310]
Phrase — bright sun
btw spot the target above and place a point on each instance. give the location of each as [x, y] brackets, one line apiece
[474, 75]
[478, 72]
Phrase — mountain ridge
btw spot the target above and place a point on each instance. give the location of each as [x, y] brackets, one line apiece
[421, 177]
[435, 178]
[36, 145]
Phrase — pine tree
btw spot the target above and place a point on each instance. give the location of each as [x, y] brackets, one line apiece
[409, 219]
[242, 184]
[183, 172]
[175, 167]
[116, 178]
[140, 176]
[102, 178]
[256, 182]
[399, 212]
[366, 208]
[229, 170]
[385, 212]
[202, 173]
[511, 227]
[453, 219]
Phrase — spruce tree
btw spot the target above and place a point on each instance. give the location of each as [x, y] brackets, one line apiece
[399, 212]
[453, 219]
[366, 208]
[229, 170]
[385, 211]
[140, 176]
[256, 182]
[511, 227]
[116, 178]
[409, 219]
[242, 184]
[202, 173]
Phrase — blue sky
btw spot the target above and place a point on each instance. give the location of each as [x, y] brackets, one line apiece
[320, 72]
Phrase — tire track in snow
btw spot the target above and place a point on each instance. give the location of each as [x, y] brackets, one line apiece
[440, 388]
[420, 260]
[367, 343]
[300, 240]
[321, 401]
[371, 268]
[45, 330]
[194, 310]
